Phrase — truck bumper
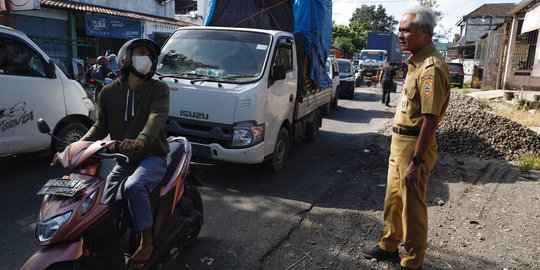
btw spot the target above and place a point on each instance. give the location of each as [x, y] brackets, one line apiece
[214, 151]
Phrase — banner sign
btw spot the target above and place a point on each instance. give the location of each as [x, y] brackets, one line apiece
[99, 25]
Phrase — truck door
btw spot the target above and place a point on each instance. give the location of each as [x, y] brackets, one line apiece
[281, 93]
[27, 92]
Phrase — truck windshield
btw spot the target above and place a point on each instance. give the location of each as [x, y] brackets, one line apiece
[377, 56]
[218, 55]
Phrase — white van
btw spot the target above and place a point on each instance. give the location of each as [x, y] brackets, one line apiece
[33, 87]
[332, 68]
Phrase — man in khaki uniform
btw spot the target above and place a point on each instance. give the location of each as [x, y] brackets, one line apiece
[413, 152]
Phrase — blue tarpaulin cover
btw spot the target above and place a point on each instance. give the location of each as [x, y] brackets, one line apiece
[310, 18]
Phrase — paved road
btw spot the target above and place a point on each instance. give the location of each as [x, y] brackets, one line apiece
[248, 211]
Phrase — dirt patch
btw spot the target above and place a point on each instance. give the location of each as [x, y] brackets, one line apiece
[482, 214]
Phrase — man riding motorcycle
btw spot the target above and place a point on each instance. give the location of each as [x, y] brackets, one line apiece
[133, 110]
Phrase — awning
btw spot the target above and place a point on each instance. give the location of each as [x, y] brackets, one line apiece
[68, 5]
[532, 20]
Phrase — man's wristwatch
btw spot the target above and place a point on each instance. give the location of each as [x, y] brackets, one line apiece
[416, 160]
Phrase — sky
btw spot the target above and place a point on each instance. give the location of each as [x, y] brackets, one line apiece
[453, 10]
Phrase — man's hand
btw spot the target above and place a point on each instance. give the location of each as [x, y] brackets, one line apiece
[130, 146]
[412, 175]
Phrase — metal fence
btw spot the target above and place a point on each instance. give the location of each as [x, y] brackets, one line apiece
[490, 55]
[64, 50]
[524, 51]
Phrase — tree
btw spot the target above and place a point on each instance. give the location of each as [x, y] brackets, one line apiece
[344, 38]
[373, 19]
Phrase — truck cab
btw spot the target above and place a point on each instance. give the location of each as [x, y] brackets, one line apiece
[34, 87]
[234, 92]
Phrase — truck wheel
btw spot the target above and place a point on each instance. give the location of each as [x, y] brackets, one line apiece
[335, 100]
[327, 107]
[68, 134]
[351, 93]
[277, 162]
[312, 128]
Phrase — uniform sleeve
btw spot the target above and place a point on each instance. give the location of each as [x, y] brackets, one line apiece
[433, 88]
[159, 111]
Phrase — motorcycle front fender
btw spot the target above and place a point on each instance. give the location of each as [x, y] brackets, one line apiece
[49, 255]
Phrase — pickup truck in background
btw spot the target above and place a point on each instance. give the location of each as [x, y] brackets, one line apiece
[244, 87]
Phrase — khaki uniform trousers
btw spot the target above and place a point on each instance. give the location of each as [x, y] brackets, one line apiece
[405, 211]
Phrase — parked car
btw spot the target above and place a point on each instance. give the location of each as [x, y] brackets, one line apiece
[346, 78]
[32, 87]
[456, 73]
[356, 64]
[332, 68]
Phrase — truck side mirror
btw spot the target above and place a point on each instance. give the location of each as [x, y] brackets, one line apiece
[278, 72]
[50, 69]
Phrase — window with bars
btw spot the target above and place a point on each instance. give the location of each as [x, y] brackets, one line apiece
[524, 50]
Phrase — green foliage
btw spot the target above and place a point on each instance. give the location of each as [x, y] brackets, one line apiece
[529, 162]
[371, 18]
[344, 38]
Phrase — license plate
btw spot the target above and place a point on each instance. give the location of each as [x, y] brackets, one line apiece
[200, 151]
[61, 186]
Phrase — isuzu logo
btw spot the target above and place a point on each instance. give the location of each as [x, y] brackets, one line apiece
[198, 115]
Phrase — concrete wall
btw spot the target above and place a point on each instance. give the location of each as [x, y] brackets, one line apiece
[150, 7]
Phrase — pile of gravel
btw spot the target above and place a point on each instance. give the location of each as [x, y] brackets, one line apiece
[469, 128]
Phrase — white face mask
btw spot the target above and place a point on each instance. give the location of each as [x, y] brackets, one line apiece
[142, 64]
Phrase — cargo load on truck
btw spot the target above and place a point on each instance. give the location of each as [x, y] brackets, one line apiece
[309, 21]
[251, 81]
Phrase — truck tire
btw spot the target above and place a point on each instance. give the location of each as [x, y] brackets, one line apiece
[351, 93]
[312, 128]
[333, 105]
[70, 133]
[277, 162]
[326, 108]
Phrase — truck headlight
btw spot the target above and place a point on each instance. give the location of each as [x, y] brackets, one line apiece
[350, 79]
[247, 134]
[45, 230]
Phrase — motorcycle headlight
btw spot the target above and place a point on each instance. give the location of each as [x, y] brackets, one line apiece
[247, 134]
[46, 229]
[89, 202]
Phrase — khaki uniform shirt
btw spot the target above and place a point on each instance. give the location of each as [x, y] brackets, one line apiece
[426, 89]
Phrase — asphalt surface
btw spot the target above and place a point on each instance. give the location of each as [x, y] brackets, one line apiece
[248, 211]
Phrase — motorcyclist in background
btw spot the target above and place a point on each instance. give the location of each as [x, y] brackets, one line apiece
[97, 73]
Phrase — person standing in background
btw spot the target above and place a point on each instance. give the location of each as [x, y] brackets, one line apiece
[386, 77]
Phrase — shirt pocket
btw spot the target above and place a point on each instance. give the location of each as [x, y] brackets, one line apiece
[410, 90]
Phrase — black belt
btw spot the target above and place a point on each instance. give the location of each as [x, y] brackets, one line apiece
[408, 132]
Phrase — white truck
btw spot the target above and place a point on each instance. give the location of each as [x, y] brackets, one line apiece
[33, 87]
[242, 95]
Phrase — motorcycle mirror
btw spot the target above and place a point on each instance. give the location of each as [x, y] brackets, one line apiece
[42, 126]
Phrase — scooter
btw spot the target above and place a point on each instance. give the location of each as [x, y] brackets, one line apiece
[74, 228]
